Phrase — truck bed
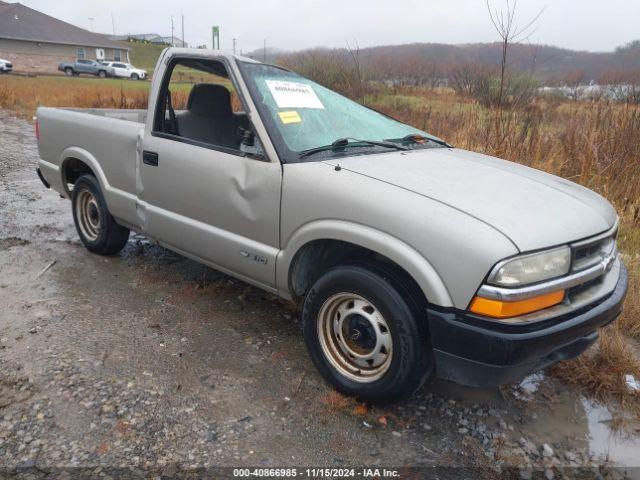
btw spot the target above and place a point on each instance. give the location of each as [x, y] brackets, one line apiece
[105, 139]
[130, 115]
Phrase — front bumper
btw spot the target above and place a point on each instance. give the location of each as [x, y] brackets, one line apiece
[480, 353]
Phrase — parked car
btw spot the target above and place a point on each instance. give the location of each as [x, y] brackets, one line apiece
[408, 257]
[126, 70]
[89, 67]
[5, 66]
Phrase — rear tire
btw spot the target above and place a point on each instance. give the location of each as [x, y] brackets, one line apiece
[363, 333]
[69, 72]
[96, 227]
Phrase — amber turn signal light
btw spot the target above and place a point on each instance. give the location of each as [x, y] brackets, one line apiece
[501, 309]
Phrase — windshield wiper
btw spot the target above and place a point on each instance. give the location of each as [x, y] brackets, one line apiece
[342, 143]
[417, 138]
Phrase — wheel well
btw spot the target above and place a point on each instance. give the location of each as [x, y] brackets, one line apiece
[72, 169]
[318, 256]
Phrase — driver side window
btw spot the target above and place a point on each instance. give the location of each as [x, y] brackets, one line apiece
[198, 104]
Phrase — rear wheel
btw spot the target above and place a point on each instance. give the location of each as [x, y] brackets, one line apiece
[68, 71]
[102, 74]
[362, 331]
[97, 229]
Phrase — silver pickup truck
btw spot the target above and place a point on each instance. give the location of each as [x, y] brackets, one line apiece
[89, 67]
[408, 257]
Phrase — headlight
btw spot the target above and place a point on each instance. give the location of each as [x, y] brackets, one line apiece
[531, 268]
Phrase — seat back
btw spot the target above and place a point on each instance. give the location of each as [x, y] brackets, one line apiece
[209, 117]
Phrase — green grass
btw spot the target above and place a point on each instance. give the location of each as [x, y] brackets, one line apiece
[144, 55]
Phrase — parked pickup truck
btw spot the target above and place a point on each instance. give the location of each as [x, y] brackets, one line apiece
[407, 256]
[89, 67]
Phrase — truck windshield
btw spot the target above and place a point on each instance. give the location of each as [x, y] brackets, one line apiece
[303, 116]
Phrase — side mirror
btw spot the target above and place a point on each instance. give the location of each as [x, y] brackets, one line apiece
[250, 144]
[248, 138]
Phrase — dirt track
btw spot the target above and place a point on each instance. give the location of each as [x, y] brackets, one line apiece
[153, 361]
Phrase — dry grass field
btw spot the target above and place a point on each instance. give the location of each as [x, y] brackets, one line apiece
[594, 143]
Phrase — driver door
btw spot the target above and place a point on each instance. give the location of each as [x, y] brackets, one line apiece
[199, 193]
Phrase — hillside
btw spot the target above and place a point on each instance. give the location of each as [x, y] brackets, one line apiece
[419, 60]
[144, 55]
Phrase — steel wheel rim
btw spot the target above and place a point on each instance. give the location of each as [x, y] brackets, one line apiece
[88, 215]
[355, 337]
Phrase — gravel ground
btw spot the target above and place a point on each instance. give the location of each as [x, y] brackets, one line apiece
[151, 363]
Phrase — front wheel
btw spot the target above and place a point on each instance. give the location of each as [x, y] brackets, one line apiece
[68, 72]
[102, 74]
[135, 76]
[97, 229]
[361, 327]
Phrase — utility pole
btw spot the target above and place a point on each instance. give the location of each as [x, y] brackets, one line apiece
[173, 44]
[113, 24]
[91, 19]
[183, 44]
[264, 51]
[234, 45]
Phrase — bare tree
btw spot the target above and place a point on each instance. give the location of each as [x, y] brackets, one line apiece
[354, 53]
[510, 32]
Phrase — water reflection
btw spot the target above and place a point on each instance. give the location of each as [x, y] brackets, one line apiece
[543, 410]
[620, 447]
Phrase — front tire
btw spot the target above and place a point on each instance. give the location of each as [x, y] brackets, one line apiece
[96, 227]
[362, 330]
[102, 74]
[69, 72]
[135, 76]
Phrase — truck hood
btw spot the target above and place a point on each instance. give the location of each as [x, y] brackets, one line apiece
[532, 208]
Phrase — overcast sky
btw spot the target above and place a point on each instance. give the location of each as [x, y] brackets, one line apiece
[594, 25]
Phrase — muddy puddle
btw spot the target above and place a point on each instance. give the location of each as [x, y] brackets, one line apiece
[549, 412]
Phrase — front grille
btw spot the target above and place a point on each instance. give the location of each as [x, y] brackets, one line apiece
[586, 255]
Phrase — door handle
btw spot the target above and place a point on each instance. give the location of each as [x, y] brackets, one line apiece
[150, 158]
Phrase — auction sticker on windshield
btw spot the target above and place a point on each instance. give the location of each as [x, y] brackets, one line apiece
[293, 94]
[290, 117]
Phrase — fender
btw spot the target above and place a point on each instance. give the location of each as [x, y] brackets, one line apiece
[121, 204]
[391, 247]
[85, 157]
